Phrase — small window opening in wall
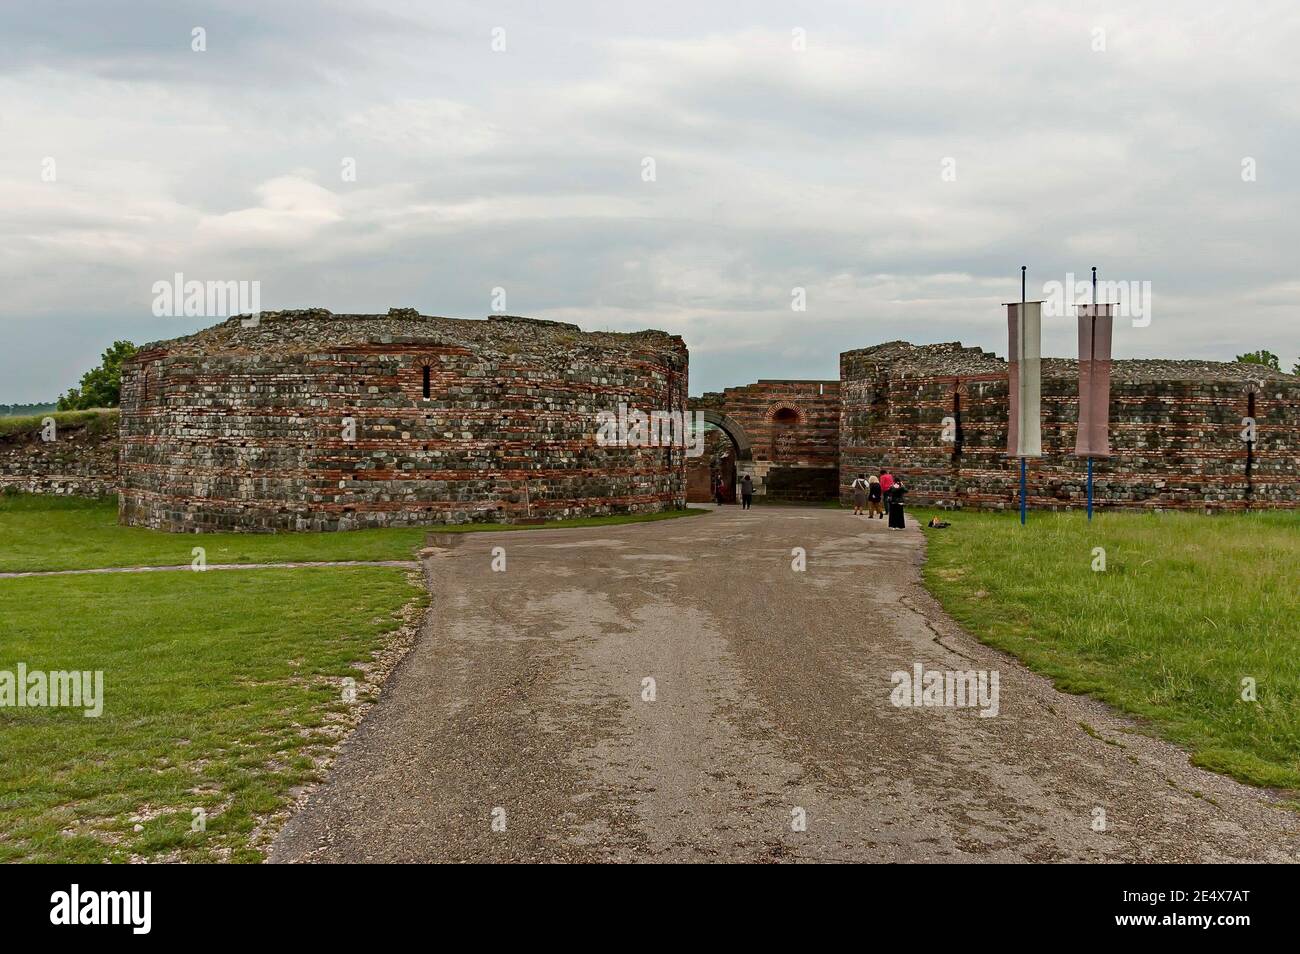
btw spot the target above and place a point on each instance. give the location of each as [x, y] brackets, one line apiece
[786, 415]
[425, 370]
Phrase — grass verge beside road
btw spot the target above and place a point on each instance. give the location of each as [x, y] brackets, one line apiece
[1187, 608]
[40, 532]
[221, 693]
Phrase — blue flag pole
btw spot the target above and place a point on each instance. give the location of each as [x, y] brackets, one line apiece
[1023, 269]
[1022, 491]
[1094, 325]
[1089, 488]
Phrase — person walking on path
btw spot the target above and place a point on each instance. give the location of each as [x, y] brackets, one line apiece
[860, 488]
[886, 481]
[874, 497]
[895, 498]
[746, 492]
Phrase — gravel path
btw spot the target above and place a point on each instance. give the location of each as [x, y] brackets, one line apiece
[523, 703]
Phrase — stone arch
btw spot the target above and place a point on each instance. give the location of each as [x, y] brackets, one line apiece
[733, 429]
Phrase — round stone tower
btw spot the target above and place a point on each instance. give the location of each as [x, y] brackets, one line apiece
[306, 420]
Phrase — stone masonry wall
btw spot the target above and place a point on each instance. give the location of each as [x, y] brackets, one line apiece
[793, 427]
[246, 428]
[1175, 431]
[245, 431]
[81, 460]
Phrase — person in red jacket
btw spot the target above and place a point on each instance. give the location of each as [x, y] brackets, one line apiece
[886, 481]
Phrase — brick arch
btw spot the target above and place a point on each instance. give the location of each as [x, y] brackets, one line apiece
[734, 430]
[777, 407]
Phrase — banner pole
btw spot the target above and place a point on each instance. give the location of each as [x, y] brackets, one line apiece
[1092, 357]
[1021, 356]
[1089, 488]
[1022, 491]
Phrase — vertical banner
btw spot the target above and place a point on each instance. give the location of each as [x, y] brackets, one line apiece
[1096, 324]
[1024, 356]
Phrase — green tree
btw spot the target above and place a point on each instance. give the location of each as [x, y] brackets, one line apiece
[1266, 358]
[101, 386]
[1295, 369]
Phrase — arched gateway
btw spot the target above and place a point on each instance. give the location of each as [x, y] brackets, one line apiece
[733, 429]
[785, 436]
[728, 455]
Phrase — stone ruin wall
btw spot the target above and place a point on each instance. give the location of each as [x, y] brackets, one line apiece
[796, 461]
[1175, 432]
[243, 437]
[81, 461]
[238, 441]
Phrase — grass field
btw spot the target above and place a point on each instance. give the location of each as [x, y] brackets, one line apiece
[1187, 608]
[222, 690]
[72, 533]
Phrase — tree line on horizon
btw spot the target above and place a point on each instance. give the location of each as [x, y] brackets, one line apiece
[1268, 359]
[25, 410]
[101, 386]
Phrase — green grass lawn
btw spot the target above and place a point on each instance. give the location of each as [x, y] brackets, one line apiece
[1187, 607]
[70, 533]
[223, 690]
[220, 690]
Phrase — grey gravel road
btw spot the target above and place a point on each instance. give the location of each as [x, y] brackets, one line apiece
[523, 704]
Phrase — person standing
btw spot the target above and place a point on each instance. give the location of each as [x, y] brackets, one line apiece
[874, 497]
[746, 492]
[859, 488]
[886, 481]
[895, 497]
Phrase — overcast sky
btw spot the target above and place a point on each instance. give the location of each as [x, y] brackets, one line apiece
[775, 168]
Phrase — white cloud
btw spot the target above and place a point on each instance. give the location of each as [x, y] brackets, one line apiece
[775, 168]
[292, 210]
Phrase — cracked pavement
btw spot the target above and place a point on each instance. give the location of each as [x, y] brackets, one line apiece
[522, 701]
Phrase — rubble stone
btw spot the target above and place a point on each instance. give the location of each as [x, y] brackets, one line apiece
[308, 420]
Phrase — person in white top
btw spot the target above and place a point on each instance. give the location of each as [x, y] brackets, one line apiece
[859, 488]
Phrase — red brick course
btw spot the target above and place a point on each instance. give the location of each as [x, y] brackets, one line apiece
[793, 427]
[1175, 431]
[247, 428]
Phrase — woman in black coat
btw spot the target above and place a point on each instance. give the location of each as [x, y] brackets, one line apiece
[895, 497]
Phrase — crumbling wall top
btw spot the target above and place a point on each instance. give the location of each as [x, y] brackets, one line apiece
[315, 329]
[951, 358]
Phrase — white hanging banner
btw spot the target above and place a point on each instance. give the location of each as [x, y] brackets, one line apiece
[1025, 357]
[1096, 324]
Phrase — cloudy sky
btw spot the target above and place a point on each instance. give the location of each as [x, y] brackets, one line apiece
[899, 162]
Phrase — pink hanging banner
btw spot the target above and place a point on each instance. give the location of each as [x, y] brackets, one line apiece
[1096, 324]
